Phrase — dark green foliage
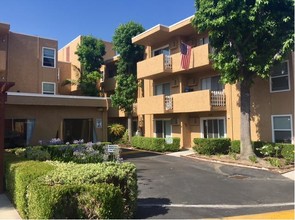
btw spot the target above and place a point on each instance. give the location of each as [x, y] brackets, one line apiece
[100, 201]
[235, 146]
[155, 144]
[19, 173]
[212, 146]
[90, 54]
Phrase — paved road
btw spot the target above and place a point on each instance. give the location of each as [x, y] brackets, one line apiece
[173, 187]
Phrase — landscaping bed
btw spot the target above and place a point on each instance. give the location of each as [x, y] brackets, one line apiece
[69, 181]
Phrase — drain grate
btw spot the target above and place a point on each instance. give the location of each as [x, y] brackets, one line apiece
[238, 176]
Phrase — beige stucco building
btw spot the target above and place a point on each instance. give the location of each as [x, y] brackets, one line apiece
[191, 103]
[38, 108]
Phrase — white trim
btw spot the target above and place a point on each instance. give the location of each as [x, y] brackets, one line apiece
[159, 48]
[50, 48]
[273, 130]
[55, 96]
[270, 79]
[212, 118]
[54, 87]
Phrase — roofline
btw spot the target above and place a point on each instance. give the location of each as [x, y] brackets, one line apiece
[55, 96]
[36, 36]
[70, 42]
[164, 26]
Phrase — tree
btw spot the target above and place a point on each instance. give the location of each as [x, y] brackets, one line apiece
[126, 89]
[90, 54]
[248, 37]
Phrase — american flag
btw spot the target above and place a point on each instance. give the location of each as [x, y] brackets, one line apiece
[185, 51]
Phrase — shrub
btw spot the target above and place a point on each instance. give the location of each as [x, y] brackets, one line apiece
[116, 131]
[37, 153]
[18, 175]
[235, 146]
[100, 201]
[121, 175]
[288, 152]
[212, 146]
[155, 144]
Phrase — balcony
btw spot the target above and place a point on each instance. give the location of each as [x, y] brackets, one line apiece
[162, 65]
[198, 101]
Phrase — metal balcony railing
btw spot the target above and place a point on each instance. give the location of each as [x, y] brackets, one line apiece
[168, 62]
[168, 103]
[218, 98]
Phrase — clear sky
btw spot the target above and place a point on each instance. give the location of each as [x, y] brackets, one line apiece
[64, 20]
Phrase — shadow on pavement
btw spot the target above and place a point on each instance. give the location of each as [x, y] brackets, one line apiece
[132, 153]
[145, 208]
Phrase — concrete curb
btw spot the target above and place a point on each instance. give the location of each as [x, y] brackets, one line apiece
[7, 211]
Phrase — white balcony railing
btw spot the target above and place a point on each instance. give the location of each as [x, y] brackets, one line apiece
[168, 62]
[168, 103]
[218, 98]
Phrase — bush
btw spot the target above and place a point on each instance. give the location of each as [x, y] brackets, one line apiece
[116, 131]
[212, 146]
[288, 152]
[155, 144]
[235, 146]
[121, 175]
[19, 173]
[100, 201]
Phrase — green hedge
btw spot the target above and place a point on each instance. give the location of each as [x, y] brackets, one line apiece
[19, 173]
[155, 144]
[100, 201]
[288, 152]
[211, 146]
[53, 189]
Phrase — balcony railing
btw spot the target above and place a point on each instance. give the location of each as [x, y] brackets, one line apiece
[168, 103]
[168, 62]
[218, 98]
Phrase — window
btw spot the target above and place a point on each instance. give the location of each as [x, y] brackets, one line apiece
[279, 77]
[77, 129]
[213, 127]
[281, 128]
[48, 88]
[48, 57]
[163, 50]
[162, 89]
[163, 128]
[203, 40]
[212, 83]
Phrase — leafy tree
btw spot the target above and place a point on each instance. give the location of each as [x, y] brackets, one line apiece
[248, 37]
[90, 54]
[126, 89]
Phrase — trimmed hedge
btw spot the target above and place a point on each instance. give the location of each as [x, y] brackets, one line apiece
[211, 146]
[100, 201]
[288, 152]
[19, 173]
[53, 189]
[155, 144]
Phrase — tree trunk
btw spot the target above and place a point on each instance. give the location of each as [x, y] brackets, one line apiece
[245, 130]
[129, 126]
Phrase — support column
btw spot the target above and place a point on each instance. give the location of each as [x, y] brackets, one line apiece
[4, 86]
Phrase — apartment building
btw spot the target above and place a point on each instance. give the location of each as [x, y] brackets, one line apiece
[70, 65]
[38, 108]
[189, 101]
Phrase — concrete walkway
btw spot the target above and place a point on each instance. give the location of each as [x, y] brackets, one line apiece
[7, 211]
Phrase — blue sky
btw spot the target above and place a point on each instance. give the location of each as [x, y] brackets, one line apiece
[64, 20]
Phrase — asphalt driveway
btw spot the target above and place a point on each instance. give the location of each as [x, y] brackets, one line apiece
[173, 187]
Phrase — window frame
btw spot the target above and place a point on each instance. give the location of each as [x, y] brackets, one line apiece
[273, 130]
[159, 48]
[288, 75]
[49, 48]
[54, 88]
[212, 118]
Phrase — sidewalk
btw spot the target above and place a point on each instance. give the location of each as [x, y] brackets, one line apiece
[7, 211]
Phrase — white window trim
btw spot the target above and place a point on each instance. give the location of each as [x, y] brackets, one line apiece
[153, 53]
[270, 80]
[212, 118]
[161, 119]
[54, 86]
[43, 57]
[273, 130]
